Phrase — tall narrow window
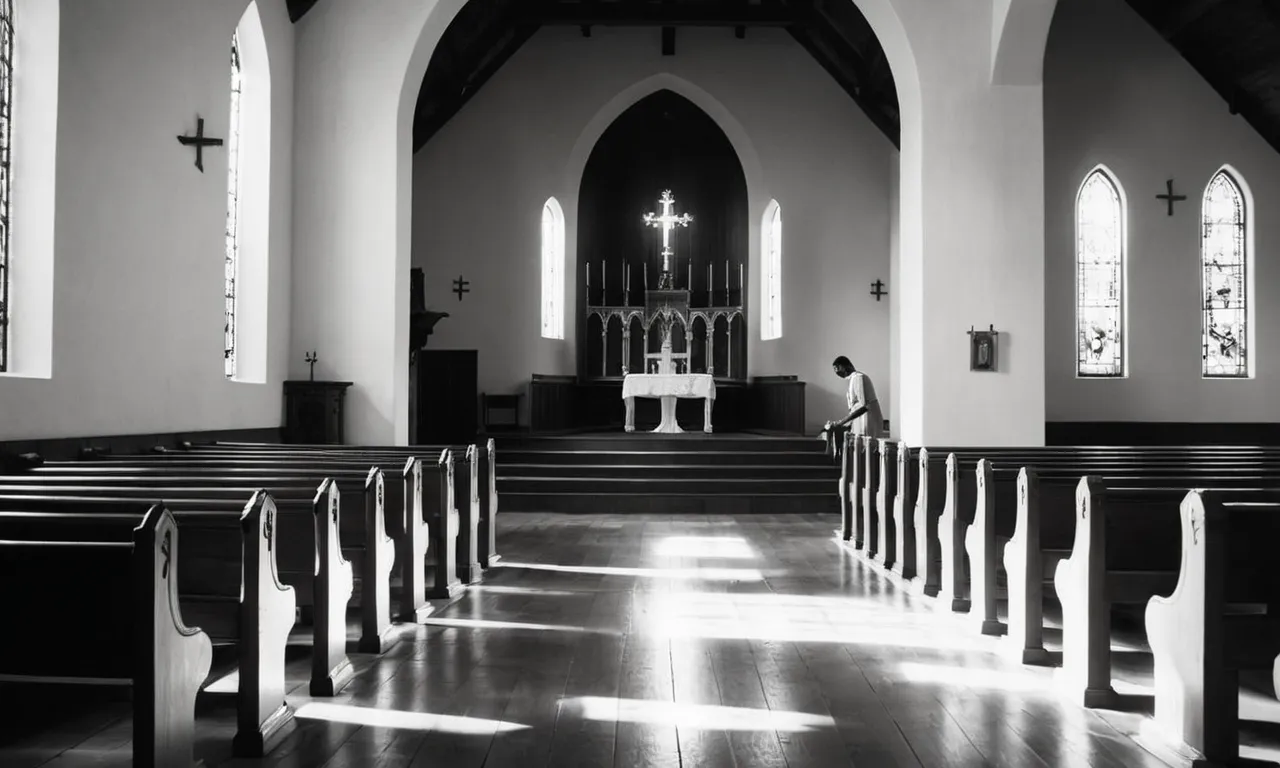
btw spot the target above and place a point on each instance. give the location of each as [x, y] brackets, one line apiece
[771, 289]
[1100, 273]
[6, 171]
[231, 260]
[553, 268]
[1224, 263]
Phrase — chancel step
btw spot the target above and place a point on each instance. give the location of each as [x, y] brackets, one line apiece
[685, 474]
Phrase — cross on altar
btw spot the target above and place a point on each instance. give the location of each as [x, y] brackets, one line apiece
[667, 221]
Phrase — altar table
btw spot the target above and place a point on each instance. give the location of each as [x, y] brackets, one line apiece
[668, 387]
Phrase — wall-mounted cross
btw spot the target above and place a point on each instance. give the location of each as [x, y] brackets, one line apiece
[199, 141]
[878, 289]
[460, 287]
[1169, 197]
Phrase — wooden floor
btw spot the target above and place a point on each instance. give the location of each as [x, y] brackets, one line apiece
[666, 641]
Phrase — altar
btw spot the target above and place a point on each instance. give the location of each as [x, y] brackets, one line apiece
[668, 387]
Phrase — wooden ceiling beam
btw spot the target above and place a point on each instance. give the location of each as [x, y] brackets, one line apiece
[1178, 16]
[724, 13]
[870, 100]
[299, 8]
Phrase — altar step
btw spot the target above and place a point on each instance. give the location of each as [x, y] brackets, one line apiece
[683, 474]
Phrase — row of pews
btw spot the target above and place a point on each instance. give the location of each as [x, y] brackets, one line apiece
[273, 537]
[1186, 535]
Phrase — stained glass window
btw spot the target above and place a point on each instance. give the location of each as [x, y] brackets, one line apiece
[772, 237]
[1224, 279]
[6, 167]
[1100, 289]
[553, 268]
[231, 260]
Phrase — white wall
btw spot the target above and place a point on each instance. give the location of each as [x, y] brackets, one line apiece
[1116, 93]
[480, 183]
[137, 323]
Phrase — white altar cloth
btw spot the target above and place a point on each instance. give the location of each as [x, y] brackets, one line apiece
[668, 387]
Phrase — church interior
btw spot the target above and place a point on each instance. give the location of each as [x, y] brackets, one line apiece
[639, 383]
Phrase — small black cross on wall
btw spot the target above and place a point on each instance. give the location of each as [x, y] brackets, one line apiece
[1169, 197]
[460, 287]
[878, 289]
[199, 141]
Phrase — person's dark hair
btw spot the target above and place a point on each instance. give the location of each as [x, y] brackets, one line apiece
[842, 360]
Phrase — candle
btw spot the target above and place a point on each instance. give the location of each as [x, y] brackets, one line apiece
[646, 275]
[689, 284]
[604, 284]
[740, 283]
[709, 289]
[588, 275]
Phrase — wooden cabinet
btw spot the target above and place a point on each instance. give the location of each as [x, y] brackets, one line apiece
[313, 412]
[448, 395]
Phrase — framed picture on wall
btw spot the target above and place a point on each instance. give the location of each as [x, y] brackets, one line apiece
[982, 349]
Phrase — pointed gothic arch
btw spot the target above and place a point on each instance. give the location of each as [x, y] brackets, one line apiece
[1226, 277]
[246, 258]
[1101, 285]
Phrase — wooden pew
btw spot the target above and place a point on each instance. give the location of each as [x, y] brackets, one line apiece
[309, 559]
[423, 508]
[470, 549]
[363, 535]
[1200, 643]
[485, 476]
[227, 585]
[1097, 575]
[122, 584]
[952, 498]
[848, 513]
[1045, 530]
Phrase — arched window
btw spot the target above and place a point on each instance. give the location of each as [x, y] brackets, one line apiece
[231, 259]
[1100, 277]
[771, 264]
[247, 257]
[1224, 263]
[6, 170]
[553, 268]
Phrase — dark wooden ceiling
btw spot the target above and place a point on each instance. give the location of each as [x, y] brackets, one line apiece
[1233, 44]
[486, 33]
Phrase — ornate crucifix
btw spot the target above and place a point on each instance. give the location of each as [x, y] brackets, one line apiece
[666, 221]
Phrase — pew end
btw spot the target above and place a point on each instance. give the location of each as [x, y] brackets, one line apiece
[1199, 638]
[264, 717]
[331, 670]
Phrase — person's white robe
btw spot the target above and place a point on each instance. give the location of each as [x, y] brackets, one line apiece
[861, 390]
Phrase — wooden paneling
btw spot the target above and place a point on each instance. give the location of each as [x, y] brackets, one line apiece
[777, 404]
[562, 404]
[1159, 433]
[551, 401]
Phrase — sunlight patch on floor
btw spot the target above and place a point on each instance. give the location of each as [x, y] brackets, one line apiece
[438, 621]
[970, 677]
[707, 717]
[409, 721]
[726, 547]
[688, 574]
